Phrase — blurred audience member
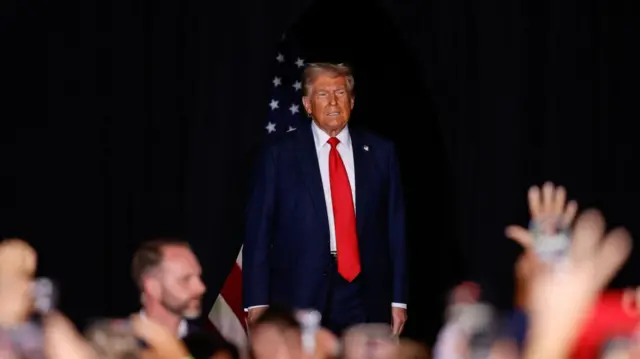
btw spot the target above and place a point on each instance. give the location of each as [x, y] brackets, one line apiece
[562, 294]
[370, 341]
[62, 340]
[18, 262]
[204, 345]
[469, 324]
[168, 274]
[410, 349]
[161, 343]
[113, 339]
[276, 333]
[562, 313]
[550, 201]
[609, 316]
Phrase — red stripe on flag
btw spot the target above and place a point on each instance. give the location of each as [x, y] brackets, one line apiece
[232, 292]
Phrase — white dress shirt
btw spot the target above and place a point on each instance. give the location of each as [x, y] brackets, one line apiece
[346, 152]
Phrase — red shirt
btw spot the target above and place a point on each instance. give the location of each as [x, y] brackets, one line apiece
[607, 320]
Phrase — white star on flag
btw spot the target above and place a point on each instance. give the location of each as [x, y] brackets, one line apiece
[285, 110]
[273, 104]
[271, 127]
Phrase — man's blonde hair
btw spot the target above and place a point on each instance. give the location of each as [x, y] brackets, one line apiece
[112, 340]
[313, 70]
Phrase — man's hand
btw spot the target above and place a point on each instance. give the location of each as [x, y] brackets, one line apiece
[62, 340]
[551, 201]
[398, 318]
[546, 202]
[255, 313]
[561, 295]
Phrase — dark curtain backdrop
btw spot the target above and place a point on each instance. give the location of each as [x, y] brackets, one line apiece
[124, 120]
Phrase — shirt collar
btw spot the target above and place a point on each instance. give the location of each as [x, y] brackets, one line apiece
[320, 137]
[183, 327]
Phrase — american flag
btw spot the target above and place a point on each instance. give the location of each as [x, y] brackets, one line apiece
[227, 314]
[286, 112]
[285, 115]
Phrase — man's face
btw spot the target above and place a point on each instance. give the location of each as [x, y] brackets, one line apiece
[180, 282]
[329, 103]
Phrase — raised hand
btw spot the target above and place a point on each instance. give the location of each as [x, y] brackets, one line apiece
[62, 340]
[546, 203]
[561, 296]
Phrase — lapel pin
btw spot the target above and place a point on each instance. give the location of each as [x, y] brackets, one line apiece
[366, 148]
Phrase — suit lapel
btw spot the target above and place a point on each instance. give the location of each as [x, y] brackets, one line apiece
[308, 160]
[362, 165]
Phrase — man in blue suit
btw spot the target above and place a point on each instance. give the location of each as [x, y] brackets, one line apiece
[325, 224]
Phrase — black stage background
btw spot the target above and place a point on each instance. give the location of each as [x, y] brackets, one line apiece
[124, 120]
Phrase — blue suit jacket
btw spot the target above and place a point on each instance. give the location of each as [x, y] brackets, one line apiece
[286, 249]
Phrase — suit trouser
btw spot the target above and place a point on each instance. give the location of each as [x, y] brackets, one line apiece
[344, 302]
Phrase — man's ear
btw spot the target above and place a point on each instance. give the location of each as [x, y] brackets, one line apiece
[306, 102]
[152, 286]
[353, 101]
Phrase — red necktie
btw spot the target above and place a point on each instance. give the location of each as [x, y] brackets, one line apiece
[344, 216]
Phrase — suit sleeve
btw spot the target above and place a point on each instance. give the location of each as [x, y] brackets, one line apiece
[397, 243]
[258, 225]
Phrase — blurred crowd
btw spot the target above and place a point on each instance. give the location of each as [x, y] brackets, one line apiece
[168, 276]
[562, 310]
